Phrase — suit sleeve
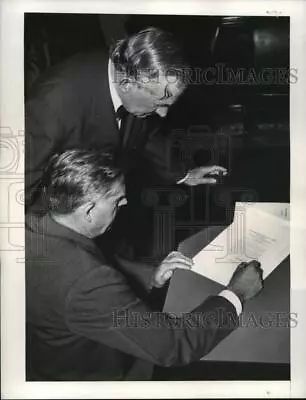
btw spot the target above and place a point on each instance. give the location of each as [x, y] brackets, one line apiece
[102, 308]
[50, 117]
[167, 168]
[142, 272]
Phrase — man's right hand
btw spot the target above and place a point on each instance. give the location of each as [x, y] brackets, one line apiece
[246, 281]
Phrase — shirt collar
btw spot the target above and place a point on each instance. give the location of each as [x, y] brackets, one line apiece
[113, 91]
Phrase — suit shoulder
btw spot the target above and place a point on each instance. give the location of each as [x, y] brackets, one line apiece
[82, 63]
[80, 70]
[52, 251]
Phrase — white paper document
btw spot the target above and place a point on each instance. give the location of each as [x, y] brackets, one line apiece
[259, 231]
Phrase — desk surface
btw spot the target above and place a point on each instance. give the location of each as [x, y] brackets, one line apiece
[264, 335]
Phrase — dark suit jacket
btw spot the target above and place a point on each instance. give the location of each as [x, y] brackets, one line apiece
[71, 106]
[85, 323]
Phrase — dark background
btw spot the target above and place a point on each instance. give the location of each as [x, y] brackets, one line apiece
[243, 127]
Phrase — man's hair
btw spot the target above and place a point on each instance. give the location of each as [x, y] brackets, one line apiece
[152, 51]
[76, 176]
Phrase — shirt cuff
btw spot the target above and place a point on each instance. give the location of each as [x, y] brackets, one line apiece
[183, 179]
[233, 298]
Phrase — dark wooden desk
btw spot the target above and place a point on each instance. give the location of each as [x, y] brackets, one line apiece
[253, 341]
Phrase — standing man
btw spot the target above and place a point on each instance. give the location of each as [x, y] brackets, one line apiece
[109, 102]
[115, 103]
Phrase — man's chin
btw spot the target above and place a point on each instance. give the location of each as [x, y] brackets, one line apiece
[101, 232]
[108, 228]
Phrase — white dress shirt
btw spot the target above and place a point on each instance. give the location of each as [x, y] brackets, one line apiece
[113, 92]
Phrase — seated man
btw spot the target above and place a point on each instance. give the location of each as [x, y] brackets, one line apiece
[84, 322]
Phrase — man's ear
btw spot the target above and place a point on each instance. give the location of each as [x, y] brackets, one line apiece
[86, 209]
[126, 84]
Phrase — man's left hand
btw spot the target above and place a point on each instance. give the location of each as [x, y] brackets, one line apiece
[173, 261]
[204, 175]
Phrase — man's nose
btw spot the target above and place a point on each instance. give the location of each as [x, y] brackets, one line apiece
[162, 111]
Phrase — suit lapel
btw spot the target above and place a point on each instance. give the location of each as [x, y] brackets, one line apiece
[135, 133]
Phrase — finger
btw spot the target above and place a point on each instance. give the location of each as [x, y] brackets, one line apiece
[167, 275]
[176, 261]
[180, 255]
[219, 168]
[177, 264]
[180, 266]
[240, 268]
[242, 265]
[177, 255]
[216, 169]
[256, 265]
[205, 181]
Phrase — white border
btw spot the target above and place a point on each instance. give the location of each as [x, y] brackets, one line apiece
[12, 277]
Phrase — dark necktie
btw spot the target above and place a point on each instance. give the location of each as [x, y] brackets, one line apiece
[132, 130]
[123, 115]
[133, 134]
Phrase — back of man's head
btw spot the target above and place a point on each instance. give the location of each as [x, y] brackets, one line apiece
[152, 50]
[75, 177]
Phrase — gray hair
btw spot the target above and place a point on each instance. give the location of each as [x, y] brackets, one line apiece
[76, 176]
